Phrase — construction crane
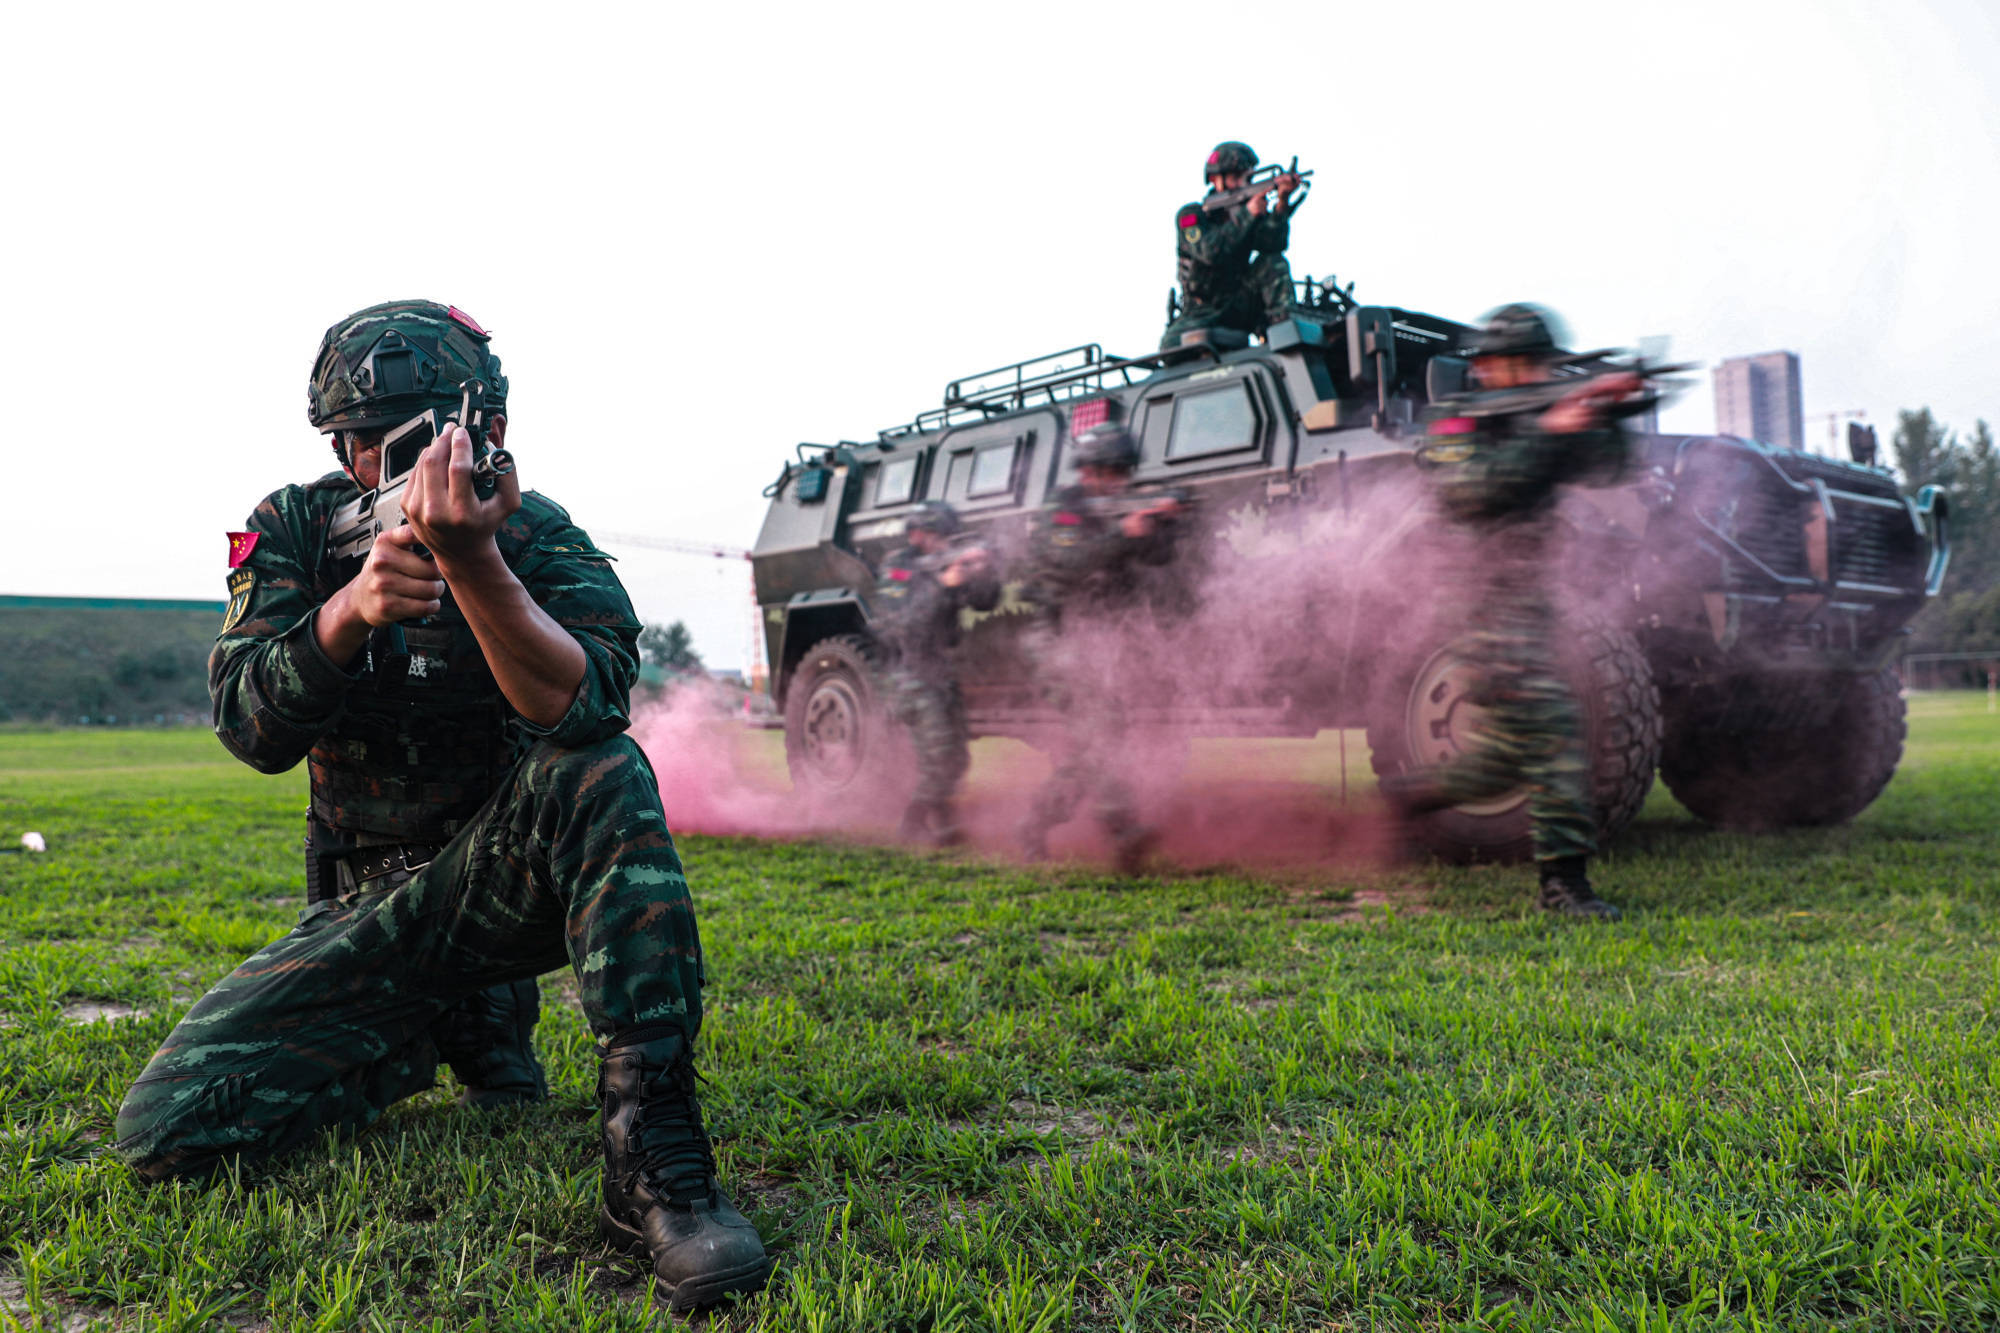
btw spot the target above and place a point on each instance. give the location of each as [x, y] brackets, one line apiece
[1833, 420]
[754, 659]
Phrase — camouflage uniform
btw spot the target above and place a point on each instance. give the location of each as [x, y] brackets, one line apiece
[1500, 482]
[551, 847]
[918, 618]
[1232, 270]
[1085, 574]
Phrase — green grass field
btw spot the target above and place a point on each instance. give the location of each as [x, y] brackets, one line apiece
[960, 1095]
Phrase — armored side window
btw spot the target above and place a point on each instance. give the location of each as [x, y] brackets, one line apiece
[896, 482]
[1214, 421]
[993, 471]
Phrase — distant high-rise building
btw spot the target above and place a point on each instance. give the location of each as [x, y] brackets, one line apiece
[1758, 398]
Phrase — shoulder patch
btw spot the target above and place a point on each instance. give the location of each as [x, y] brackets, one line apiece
[1190, 217]
[1063, 518]
[241, 544]
[241, 583]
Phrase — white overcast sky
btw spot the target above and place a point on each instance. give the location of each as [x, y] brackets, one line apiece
[703, 234]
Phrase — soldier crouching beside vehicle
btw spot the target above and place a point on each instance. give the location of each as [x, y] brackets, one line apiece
[1504, 453]
[1089, 555]
[918, 597]
[478, 815]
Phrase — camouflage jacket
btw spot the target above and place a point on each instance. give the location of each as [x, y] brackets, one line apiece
[918, 615]
[1080, 560]
[1213, 252]
[404, 753]
[1502, 473]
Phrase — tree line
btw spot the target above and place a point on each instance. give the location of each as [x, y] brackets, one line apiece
[1966, 615]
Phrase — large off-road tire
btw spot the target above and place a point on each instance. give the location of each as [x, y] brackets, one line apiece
[1785, 753]
[1422, 715]
[840, 741]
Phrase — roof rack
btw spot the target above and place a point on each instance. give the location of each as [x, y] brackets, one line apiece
[1074, 372]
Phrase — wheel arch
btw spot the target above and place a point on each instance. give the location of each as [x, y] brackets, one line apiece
[809, 618]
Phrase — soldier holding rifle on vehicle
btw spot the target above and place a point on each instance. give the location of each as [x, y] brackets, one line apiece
[459, 682]
[918, 597]
[1091, 554]
[1503, 452]
[1231, 246]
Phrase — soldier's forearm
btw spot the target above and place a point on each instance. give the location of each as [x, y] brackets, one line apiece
[339, 628]
[536, 663]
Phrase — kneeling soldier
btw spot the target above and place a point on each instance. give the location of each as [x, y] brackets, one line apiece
[478, 816]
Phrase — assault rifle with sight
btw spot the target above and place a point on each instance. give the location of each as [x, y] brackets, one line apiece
[1262, 181]
[356, 524]
[1599, 365]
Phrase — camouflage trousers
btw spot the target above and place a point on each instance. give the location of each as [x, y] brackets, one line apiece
[1262, 298]
[325, 1028]
[1085, 688]
[931, 709]
[1533, 734]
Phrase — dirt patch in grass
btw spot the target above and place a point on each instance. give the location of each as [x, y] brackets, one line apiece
[1080, 1123]
[101, 1011]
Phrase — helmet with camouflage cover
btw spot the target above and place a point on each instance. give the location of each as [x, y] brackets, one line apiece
[1519, 329]
[1099, 437]
[1229, 157]
[933, 516]
[385, 364]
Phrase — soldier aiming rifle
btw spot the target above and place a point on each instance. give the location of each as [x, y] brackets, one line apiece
[1230, 247]
[474, 822]
[1503, 452]
[919, 594]
[1091, 555]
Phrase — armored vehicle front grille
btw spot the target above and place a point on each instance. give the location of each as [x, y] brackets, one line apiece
[1766, 523]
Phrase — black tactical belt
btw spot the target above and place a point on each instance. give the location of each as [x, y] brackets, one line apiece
[371, 863]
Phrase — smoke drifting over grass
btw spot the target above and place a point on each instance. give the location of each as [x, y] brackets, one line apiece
[1200, 697]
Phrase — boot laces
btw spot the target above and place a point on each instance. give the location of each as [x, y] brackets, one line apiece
[674, 1153]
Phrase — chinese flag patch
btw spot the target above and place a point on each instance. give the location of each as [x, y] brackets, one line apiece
[1191, 217]
[241, 544]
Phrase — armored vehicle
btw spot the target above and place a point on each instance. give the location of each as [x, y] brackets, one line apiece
[1733, 606]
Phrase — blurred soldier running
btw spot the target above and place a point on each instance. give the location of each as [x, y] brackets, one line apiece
[478, 816]
[920, 592]
[1089, 556]
[1232, 265]
[1504, 454]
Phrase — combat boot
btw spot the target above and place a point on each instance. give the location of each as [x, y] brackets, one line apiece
[1566, 891]
[661, 1199]
[1131, 845]
[931, 823]
[488, 1040]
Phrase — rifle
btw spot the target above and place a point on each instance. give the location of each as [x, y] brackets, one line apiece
[1262, 181]
[958, 562]
[1534, 399]
[357, 524]
[1158, 503]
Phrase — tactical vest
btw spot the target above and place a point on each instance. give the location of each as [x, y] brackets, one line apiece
[422, 741]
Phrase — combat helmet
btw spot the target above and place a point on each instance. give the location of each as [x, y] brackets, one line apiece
[385, 364]
[1229, 156]
[933, 516]
[1519, 329]
[1099, 437]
